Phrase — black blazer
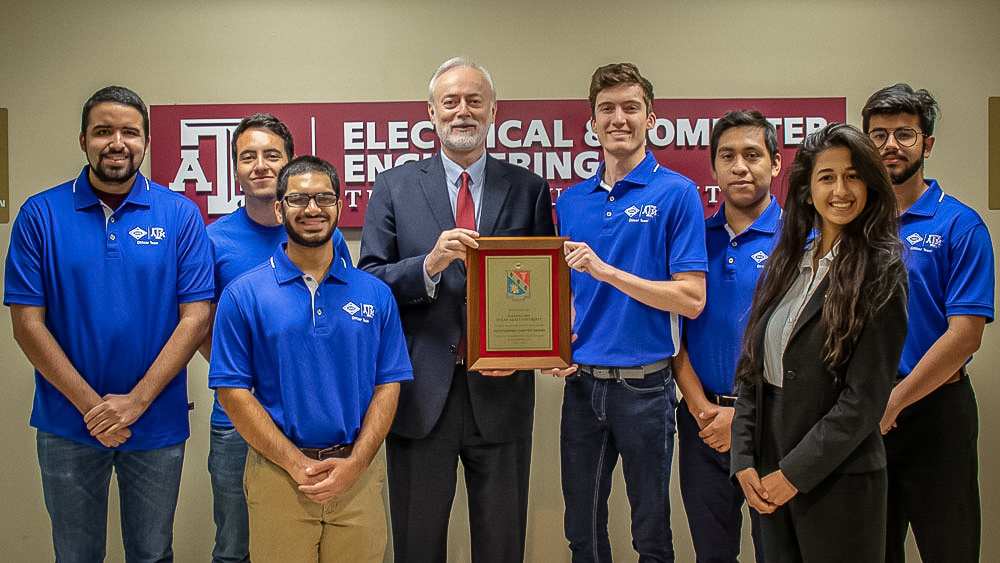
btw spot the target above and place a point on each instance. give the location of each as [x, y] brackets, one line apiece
[407, 211]
[827, 427]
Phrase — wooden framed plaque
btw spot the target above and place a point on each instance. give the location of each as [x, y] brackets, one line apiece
[518, 304]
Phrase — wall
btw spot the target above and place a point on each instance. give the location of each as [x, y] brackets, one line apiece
[55, 54]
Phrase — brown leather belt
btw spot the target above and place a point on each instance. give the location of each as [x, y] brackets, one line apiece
[338, 451]
[957, 376]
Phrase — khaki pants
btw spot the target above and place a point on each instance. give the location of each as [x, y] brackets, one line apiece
[285, 526]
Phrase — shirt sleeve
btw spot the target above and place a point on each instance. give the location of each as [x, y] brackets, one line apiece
[686, 233]
[195, 263]
[232, 346]
[393, 358]
[24, 281]
[970, 284]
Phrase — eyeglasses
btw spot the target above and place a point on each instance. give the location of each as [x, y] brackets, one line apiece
[905, 136]
[325, 199]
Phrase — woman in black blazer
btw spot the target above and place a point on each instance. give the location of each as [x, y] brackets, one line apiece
[821, 350]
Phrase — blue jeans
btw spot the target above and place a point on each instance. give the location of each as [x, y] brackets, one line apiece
[603, 419]
[713, 501]
[227, 456]
[75, 481]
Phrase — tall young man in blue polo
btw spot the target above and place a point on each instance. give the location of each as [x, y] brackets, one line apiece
[739, 238]
[308, 354]
[931, 424]
[261, 146]
[108, 280]
[637, 251]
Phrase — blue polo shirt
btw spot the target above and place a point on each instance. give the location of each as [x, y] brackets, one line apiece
[715, 337]
[313, 361]
[111, 287]
[650, 225]
[240, 243]
[949, 260]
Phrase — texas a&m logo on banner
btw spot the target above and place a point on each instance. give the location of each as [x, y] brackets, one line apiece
[553, 138]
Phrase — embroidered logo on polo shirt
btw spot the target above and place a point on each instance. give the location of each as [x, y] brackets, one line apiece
[924, 243]
[367, 312]
[642, 214]
[759, 257]
[153, 236]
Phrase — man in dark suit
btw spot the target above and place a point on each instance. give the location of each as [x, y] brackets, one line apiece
[421, 218]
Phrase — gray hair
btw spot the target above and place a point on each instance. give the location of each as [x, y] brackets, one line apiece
[458, 62]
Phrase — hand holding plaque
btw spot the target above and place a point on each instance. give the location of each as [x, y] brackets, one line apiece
[518, 304]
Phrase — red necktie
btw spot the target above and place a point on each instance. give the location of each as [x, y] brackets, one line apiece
[465, 209]
[465, 217]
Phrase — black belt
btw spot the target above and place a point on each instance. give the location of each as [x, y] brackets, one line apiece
[721, 400]
[619, 373]
[338, 451]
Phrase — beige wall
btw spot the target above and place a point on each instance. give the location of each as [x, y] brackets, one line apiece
[54, 54]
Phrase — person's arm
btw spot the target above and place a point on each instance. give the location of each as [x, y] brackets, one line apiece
[206, 345]
[339, 475]
[741, 456]
[684, 293]
[967, 302]
[380, 246]
[867, 382]
[945, 357]
[115, 412]
[51, 361]
[714, 421]
[258, 429]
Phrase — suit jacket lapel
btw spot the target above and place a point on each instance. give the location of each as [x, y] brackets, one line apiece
[494, 195]
[812, 308]
[433, 183]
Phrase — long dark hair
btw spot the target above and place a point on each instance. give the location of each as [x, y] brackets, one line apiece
[868, 264]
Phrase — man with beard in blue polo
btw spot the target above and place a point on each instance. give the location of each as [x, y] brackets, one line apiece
[245, 238]
[637, 250]
[108, 280]
[739, 238]
[931, 424]
[307, 356]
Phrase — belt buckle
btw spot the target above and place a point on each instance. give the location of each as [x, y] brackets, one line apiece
[631, 373]
[603, 373]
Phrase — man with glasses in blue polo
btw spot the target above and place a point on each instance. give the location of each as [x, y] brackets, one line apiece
[307, 356]
[261, 145]
[931, 424]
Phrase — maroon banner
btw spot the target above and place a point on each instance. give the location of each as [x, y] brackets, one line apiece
[190, 143]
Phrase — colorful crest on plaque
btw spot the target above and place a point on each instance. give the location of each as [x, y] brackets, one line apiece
[518, 283]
